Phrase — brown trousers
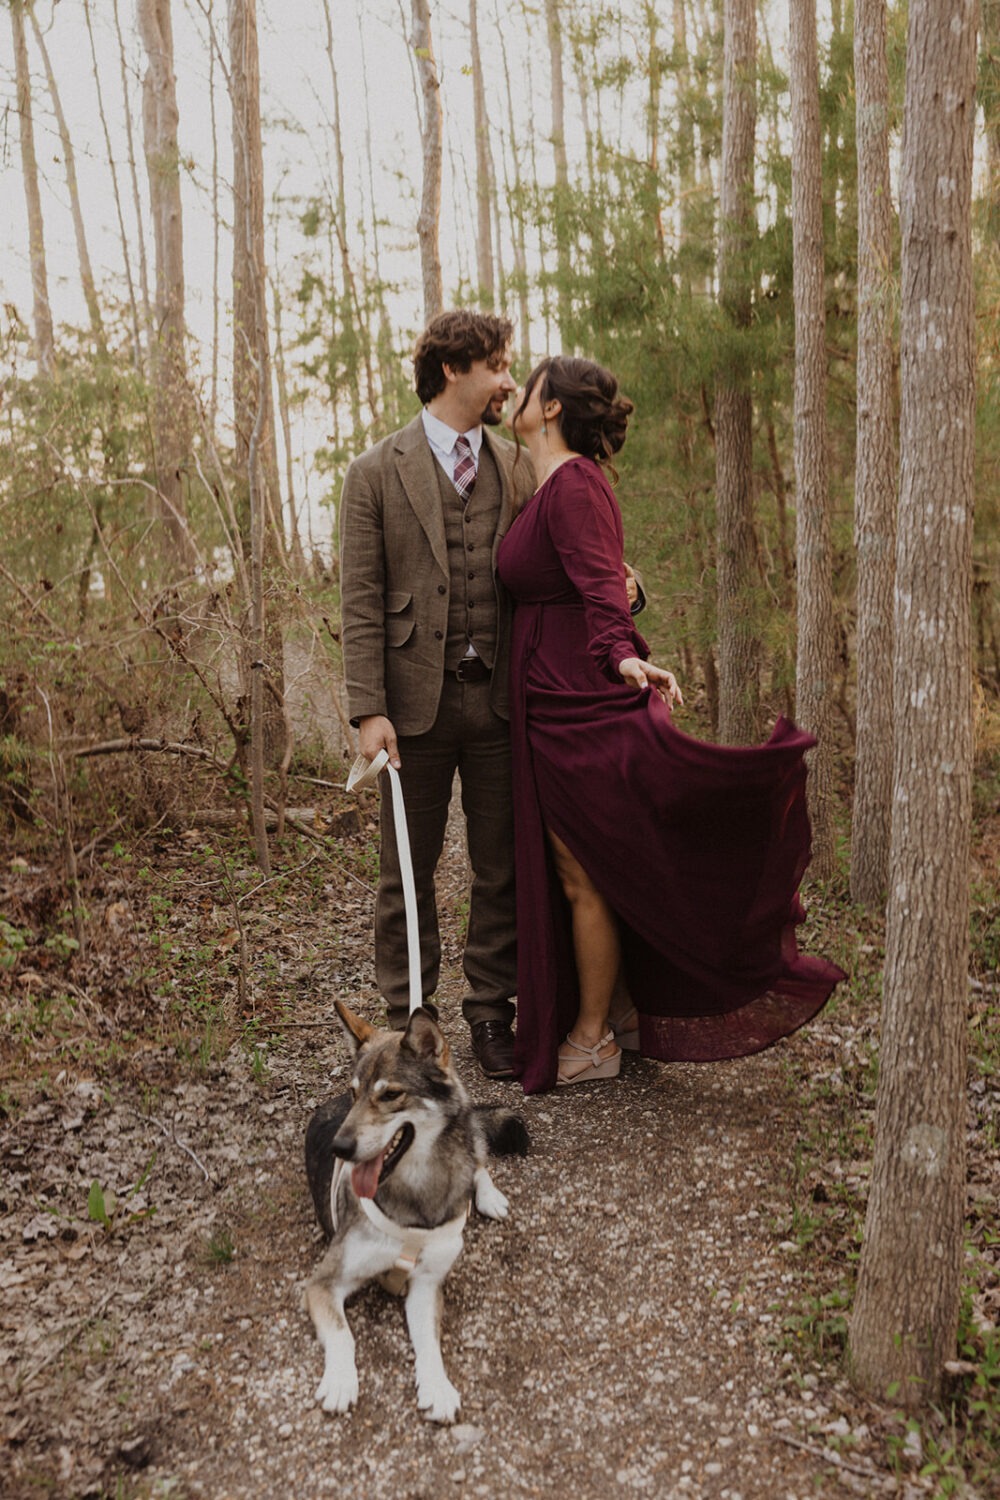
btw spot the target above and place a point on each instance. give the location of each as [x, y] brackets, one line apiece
[467, 737]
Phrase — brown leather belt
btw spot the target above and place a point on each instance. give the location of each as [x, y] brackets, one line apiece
[472, 669]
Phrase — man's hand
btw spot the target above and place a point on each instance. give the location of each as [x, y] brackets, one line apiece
[375, 733]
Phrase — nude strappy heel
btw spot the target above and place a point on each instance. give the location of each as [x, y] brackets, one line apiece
[626, 1029]
[571, 1070]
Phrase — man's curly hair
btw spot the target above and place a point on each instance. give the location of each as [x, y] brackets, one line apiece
[458, 338]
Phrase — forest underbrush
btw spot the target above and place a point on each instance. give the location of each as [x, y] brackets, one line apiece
[166, 1029]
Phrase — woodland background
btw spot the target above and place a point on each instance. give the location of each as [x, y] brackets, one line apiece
[225, 224]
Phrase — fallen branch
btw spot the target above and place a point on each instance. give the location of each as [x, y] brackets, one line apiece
[171, 1136]
[168, 747]
[70, 1338]
[831, 1456]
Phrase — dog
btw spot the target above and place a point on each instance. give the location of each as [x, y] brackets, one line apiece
[393, 1168]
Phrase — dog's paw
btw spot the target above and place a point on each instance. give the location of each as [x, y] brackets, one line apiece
[490, 1202]
[438, 1399]
[338, 1390]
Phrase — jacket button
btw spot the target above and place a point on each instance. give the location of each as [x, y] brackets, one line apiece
[442, 589]
[472, 575]
[438, 635]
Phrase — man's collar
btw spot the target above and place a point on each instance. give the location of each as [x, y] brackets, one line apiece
[444, 437]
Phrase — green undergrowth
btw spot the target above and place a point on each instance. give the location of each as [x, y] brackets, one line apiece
[833, 1080]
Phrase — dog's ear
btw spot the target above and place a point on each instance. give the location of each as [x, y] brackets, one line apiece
[424, 1038]
[357, 1030]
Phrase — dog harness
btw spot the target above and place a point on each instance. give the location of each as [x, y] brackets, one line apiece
[412, 1241]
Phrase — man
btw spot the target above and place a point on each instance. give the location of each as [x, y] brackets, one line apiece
[425, 640]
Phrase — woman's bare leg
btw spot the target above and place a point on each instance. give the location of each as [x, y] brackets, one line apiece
[596, 946]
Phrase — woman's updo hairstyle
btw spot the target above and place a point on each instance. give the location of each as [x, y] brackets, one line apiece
[594, 417]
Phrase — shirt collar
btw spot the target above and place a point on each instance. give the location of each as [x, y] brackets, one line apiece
[445, 437]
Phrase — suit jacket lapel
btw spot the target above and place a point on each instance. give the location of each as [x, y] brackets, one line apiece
[418, 473]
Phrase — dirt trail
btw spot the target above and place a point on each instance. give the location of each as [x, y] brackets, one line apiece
[625, 1332]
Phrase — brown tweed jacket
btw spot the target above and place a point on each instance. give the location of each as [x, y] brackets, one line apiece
[394, 578]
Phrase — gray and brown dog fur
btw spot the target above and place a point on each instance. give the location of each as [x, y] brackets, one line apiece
[416, 1146]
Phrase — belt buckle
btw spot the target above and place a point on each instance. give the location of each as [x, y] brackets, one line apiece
[475, 666]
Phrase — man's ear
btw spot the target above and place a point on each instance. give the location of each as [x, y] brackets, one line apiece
[424, 1038]
[357, 1030]
[450, 373]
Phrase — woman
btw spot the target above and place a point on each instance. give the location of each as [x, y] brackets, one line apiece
[654, 871]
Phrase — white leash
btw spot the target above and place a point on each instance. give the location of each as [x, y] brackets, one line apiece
[412, 1241]
[365, 773]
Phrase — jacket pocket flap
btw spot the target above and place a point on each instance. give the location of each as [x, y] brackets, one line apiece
[396, 602]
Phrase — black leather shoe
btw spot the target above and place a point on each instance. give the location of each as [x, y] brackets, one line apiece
[493, 1046]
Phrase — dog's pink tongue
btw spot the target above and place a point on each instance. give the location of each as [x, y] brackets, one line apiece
[364, 1176]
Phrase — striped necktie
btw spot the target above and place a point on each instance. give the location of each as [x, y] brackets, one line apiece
[465, 469]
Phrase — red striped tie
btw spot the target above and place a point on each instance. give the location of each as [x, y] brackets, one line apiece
[465, 468]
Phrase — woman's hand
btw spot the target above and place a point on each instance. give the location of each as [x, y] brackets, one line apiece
[643, 674]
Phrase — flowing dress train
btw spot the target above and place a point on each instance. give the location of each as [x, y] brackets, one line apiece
[698, 848]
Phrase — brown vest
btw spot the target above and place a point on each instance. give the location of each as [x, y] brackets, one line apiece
[470, 532]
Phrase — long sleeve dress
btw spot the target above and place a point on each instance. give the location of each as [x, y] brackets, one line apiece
[698, 848]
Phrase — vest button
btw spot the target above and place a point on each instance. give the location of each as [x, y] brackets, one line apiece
[438, 636]
[471, 575]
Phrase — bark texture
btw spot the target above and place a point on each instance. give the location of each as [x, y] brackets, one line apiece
[484, 168]
[553, 24]
[875, 464]
[44, 337]
[906, 1311]
[429, 222]
[172, 409]
[737, 565]
[73, 190]
[816, 655]
[255, 449]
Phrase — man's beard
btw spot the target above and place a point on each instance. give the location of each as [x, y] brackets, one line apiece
[491, 417]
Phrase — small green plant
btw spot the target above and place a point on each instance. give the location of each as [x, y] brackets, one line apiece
[61, 945]
[104, 1207]
[219, 1247]
[12, 944]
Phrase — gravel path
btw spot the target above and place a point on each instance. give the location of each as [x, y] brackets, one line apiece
[624, 1332]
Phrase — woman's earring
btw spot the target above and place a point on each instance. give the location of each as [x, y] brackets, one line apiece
[544, 428]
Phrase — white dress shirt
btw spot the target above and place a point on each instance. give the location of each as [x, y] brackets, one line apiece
[443, 438]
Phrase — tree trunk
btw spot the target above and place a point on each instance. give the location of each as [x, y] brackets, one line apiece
[484, 169]
[297, 555]
[72, 188]
[655, 66]
[906, 1311]
[119, 213]
[172, 407]
[514, 197]
[44, 338]
[816, 661]
[428, 224]
[143, 350]
[561, 203]
[737, 568]
[255, 452]
[353, 314]
[875, 465]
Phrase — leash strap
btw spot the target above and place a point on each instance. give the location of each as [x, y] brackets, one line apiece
[365, 773]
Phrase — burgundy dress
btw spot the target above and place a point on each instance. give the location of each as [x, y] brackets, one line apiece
[698, 848]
